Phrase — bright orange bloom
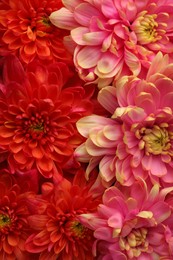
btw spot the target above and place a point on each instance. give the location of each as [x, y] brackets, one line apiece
[58, 233]
[38, 113]
[14, 228]
[26, 31]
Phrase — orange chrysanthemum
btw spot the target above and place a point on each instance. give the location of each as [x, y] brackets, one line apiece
[25, 30]
[38, 113]
[14, 228]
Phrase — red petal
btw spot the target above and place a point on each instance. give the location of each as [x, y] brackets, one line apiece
[41, 238]
[6, 132]
[13, 239]
[45, 164]
[20, 158]
[37, 152]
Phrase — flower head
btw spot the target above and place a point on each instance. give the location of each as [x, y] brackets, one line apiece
[58, 233]
[114, 37]
[38, 115]
[138, 138]
[127, 226]
[14, 228]
[27, 32]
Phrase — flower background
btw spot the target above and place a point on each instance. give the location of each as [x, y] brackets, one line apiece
[86, 130]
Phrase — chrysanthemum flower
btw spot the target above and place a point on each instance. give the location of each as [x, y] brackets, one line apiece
[114, 37]
[14, 228]
[138, 138]
[26, 31]
[132, 226]
[38, 113]
[58, 232]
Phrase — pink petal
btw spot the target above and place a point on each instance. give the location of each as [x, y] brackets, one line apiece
[157, 167]
[105, 94]
[108, 63]
[105, 172]
[103, 233]
[77, 35]
[113, 132]
[81, 154]
[109, 10]
[88, 57]
[116, 220]
[94, 150]
[157, 65]
[132, 62]
[93, 163]
[63, 19]
[82, 36]
[161, 211]
[99, 139]
[84, 12]
[85, 124]
[71, 5]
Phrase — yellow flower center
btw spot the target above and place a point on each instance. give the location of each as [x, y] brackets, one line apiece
[147, 29]
[37, 127]
[135, 242]
[155, 140]
[4, 220]
[78, 229]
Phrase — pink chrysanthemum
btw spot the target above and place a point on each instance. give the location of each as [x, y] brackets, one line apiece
[129, 226]
[38, 113]
[26, 31]
[115, 37]
[138, 138]
[58, 234]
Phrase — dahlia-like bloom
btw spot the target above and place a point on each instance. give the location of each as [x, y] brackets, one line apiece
[112, 38]
[38, 113]
[58, 234]
[26, 31]
[132, 223]
[14, 228]
[138, 138]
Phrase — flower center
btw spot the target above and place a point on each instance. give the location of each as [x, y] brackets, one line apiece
[43, 26]
[134, 243]
[36, 127]
[155, 140]
[4, 221]
[78, 229]
[146, 28]
[39, 23]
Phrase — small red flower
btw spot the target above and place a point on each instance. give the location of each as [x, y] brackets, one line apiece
[26, 31]
[14, 228]
[38, 113]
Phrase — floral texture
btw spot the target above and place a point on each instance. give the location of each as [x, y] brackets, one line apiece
[138, 138]
[58, 233]
[127, 226]
[111, 38]
[86, 130]
[27, 32]
[38, 116]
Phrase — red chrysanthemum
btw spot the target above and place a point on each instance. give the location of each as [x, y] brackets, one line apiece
[26, 31]
[58, 231]
[14, 228]
[38, 113]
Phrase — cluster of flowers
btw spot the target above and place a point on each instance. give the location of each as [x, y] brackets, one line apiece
[86, 129]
